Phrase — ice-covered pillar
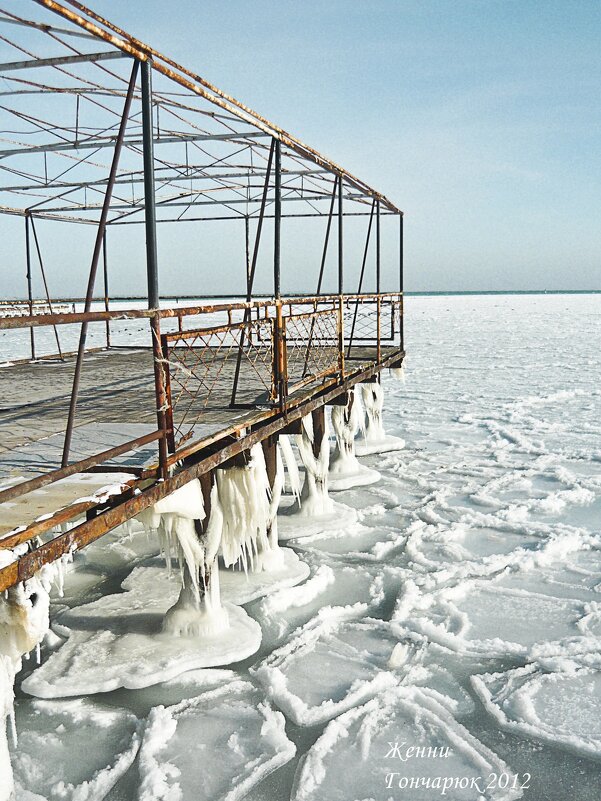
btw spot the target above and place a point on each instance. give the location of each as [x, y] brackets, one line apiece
[314, 450]
[375, 439]
[23, 623]
[193, 536]
[345, 469]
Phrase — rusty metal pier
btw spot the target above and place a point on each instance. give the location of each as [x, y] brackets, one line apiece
[101, 131]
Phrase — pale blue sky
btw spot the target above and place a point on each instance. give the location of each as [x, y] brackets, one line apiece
[481, 119]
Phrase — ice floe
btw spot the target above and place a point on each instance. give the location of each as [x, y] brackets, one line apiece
[216, 745]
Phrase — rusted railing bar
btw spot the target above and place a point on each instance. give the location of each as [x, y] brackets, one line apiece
[71, 318]
[81, 466]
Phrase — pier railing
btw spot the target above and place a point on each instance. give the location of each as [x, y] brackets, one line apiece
[259, 360]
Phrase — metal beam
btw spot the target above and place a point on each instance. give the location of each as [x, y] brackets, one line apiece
[277, 219]
[94, 265]
[96, 144]
[149, 189]
[60, 60]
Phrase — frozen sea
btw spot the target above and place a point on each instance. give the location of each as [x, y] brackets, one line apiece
[459, 615]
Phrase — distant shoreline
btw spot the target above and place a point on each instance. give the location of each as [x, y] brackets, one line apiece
[445, 293]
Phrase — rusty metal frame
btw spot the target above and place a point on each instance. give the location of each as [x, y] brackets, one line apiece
[241, 166]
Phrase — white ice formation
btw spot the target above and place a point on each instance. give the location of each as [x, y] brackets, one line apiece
[375, 439]
[23, 623]
[218, 744]
[349, 759]
[562, 705]
[345, 469]
[72, 750]
[314, 501]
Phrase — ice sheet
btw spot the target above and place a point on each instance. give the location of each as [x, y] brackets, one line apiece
[561, 706]
[72, 750]
[217, 745]
[98, 661]
[349, 759]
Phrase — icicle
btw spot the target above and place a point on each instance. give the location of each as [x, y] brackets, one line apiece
[345, 469]
[373, 400]
[199, 614]
[398, 373]
[375, 439]
[244, 495]
[291, 465]
[23, 623]
[314, 500]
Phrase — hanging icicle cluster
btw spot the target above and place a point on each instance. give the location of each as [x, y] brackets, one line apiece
[24, 621]
[249, 510]
[314, 501]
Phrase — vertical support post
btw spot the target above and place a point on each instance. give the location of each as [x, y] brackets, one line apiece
[340, 240]
[95, 257]
[378, 247]
[29, 287]
[46, 290]
[160, 391]
[251, 277]
[379, 299]
[277, 219]
[149, 198]
[105, 273]
[401, 271]
[152, 273]
[340, 281]
[319, 428]
[247, 251]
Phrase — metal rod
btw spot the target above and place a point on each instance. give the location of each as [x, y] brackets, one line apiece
[149, 196]
[278, 219]
[253, 268]
[29, 288]
[363, 263]
[105, 273]
[95, 144]
[39, 252]
[340, 240]
[94, 266]
[401, 273]
[378, 263]
[54, 62]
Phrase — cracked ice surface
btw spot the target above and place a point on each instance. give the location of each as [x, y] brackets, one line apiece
[476, 555]
[218, 744]
[73, 750]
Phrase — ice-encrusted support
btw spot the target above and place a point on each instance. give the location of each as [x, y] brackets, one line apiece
[375, 439]
[314, 450]
[24, 621]
[345, 469]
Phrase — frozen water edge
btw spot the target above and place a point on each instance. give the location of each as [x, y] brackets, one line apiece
[502, 430]
[95, 662]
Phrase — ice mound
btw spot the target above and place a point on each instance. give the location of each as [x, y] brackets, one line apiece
[480, 618]
[293, 525]
[150, 591]
[561, 706]
[375, 438]
[345, 469]
[332, 664]
[73, 750]
[98, 661]
[218, 744]
[355, 757]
